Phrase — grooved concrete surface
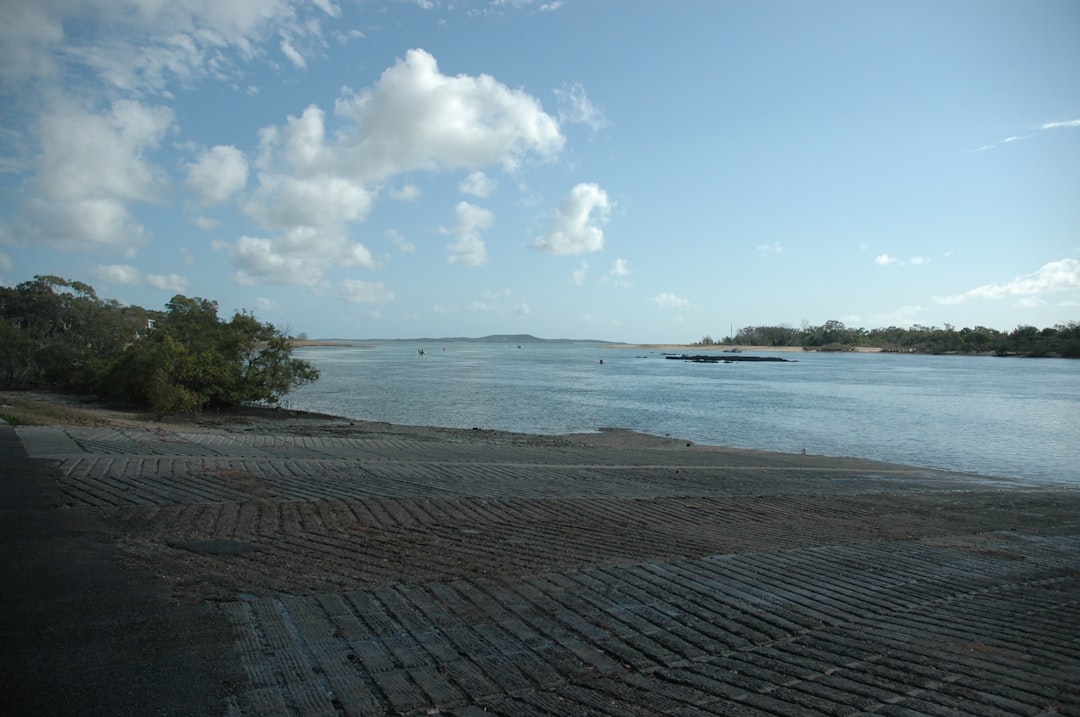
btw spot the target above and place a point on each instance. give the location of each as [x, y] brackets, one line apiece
[390, 574]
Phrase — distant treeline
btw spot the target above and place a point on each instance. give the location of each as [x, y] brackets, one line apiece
[58, 334]
[1062, 340]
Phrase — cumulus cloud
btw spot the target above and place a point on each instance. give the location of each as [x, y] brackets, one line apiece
[257, 261]
[86, 224]
[469, 249]
[1057, 276]
[668, 300]
[312, 215]
[285, 202]
[477, 184]
[364, 292]
[313, 184]
[218, 173]
[171, 282]
[577, 221]
[415, 117]
[94, 155]
[91, 166]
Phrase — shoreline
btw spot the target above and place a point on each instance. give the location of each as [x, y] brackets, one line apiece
[726, 348]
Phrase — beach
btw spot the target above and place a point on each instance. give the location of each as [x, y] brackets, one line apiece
[282, 563]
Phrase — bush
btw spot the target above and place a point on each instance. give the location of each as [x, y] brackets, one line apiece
[58, 333]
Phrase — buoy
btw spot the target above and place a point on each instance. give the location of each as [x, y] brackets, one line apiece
[601, 360]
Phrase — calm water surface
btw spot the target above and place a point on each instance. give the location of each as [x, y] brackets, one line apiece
[996, 416]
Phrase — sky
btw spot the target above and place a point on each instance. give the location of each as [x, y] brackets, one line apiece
[623, 170]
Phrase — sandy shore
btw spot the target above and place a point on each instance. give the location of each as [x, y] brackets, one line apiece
[279, 563]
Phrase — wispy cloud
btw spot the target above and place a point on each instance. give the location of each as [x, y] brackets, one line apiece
[575, 107]
[1063, 275]
[774, 248]
[667, 300]
[578, 277]
[886, 260]
[619, 274]
[1066, 123]
[1018, 137]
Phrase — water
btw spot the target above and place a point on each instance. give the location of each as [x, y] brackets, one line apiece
[989, 415]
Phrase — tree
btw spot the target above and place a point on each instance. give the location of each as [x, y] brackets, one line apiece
[192, 360]
[58, 332]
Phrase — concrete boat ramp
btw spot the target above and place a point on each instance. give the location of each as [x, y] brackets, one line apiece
[235, 572]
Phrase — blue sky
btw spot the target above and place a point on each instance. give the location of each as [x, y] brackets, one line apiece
[610, 169]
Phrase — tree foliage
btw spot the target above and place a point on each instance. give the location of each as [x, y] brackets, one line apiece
[58, 333]
[1061, 340]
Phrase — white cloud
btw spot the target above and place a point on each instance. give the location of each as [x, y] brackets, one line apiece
[364, 292]
[1017, 138]
[774, 248]
[578, 277]
[172, 282]
[145, 45]
[469, 249]
[206, 223]
[522, 309]
[404, 245]
[668, 300]
[1063, 275]
[312, 215]
[415, 117]
[257, 261]
[6, 262]
[406, 193]
[313, 184]
[87, 155]
[285, 202]
[293, 54]
[90, 167]
[886, 260]
[1057, 125]
[116, 274]
[218, 173]
[575, 107]
[88, 224]
[619, 274]
[577, 221]
[477, 184]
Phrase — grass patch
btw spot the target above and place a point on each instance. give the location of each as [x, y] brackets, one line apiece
[13, 420]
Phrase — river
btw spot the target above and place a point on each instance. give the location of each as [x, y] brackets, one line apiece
[990, 415]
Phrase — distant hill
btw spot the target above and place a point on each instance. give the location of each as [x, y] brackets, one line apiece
[512, 339]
